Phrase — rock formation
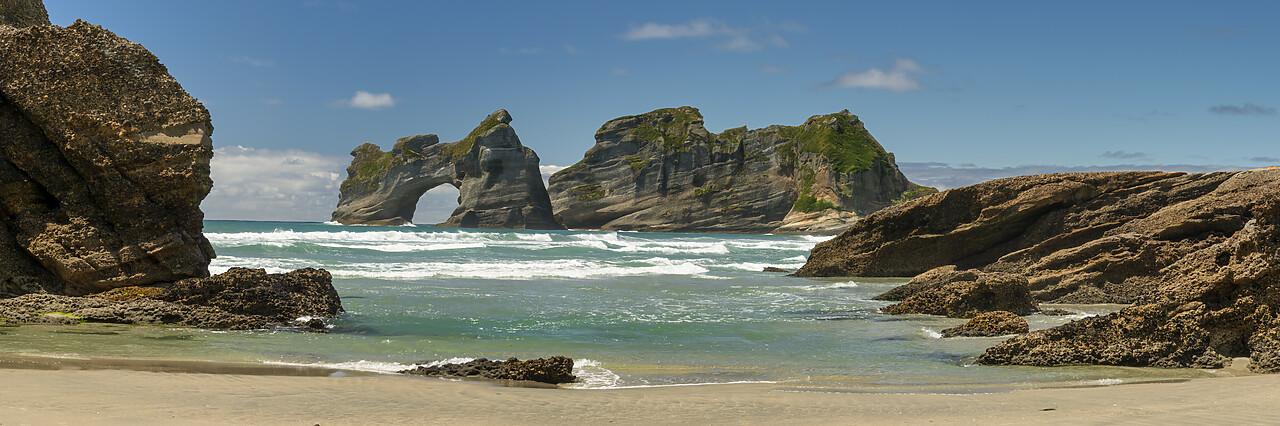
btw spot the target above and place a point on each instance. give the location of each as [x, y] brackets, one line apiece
[988, 324]
[662, 171]
[1075, 237]
[1218, 302]
[103, 165]
[498, 180]
[961, 294]
[239, 299]
[23, 13]
[553, 370]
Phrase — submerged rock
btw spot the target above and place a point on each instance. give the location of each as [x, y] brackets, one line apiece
[1218, 302]
[104, 163]
[498, 180]
[987, 324]
[1075, 237]
[663, 171]
[553, 370]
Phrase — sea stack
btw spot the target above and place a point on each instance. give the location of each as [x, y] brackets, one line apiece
[497, 177]
[103, 165]
[663, 171]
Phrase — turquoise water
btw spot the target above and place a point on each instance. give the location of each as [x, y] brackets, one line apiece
[634, 309]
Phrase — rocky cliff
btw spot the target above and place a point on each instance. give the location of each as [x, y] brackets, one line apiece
[1075, 237]
[103, 165]
[498, 180]
[23, 13]
[663, 171]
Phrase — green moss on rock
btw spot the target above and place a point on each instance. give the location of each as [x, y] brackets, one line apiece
[847, 145]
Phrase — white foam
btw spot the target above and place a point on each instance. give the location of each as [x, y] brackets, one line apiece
[387, 367]
[829, 286]
[930, 333]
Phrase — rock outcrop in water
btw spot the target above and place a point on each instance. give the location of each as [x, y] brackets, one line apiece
[1216, 303]
[961, 294]
[498, 180]
[663, 171]
[553, 370]
[104, 162]
[1075, 237]
[987, 324]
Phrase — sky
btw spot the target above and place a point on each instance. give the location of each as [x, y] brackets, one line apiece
[960, 92]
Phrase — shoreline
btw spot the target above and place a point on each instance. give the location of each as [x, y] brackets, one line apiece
[115, 396]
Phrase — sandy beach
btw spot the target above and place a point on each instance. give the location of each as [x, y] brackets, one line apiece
[114, 396]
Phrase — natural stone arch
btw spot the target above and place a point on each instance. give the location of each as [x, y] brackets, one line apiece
[497, 177]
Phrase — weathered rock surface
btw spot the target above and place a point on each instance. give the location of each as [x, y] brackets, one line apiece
[1218, 302]
[961, 294]
[238, 299]
[554, 370]
[23, 13]
[1076, 237]
[663, 171]
[988, 324]
[103, 165]
[498, 180]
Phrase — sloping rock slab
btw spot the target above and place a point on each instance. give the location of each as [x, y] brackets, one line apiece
[987, 324]
[946, 294]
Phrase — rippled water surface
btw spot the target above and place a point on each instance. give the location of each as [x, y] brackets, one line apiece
[634, 309]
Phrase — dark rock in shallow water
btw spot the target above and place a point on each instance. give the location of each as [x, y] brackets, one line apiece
[498, 180]
[1076, 237]
[238, 299]
[663, 171]
[774, 269]
[1055, 312]
[1216, 303]
[554, 370]
[104, 163]
[945, 293]
[995, 323]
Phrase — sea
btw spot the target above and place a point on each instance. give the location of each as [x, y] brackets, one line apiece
[633, 309]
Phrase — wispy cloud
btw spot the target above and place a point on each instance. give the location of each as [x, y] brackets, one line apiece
[900, 78]
[1214, 32]
[726, 37]
[253, 62]
[619, 71]
[1123, 155]
[520, 51]
[773, 69]
[571, 50]
[945, 176]
[366, 100]
[264, 184]
[272, 101]
[1265, 159]
[1246, 109]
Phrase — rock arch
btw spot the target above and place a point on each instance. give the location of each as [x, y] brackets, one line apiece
[499, 184]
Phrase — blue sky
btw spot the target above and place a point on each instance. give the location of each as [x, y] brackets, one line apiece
[959, 91]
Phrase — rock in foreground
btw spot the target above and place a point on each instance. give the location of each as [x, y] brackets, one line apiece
[1075, 237]
[988, 324]
[663, 171]
[1214, 304]
[961, 294]
[554, 370]
[239, 299]
[498, 180]
[103, 165]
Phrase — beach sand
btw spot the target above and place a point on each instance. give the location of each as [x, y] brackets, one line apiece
[115, 396]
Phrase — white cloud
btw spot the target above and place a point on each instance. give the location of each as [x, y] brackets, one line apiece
[251, 61]
[737, 39]
[366, 100]
[619, 71]
[265, 184]
[901, 78]
[571, 50]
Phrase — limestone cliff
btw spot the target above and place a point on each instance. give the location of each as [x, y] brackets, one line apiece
[104, 160]
[1076, 237]
[663, 171]
[498, 180]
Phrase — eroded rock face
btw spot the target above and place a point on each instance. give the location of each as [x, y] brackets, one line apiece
[239, 299]
[988, 324]
[554, 370]
[1218, 302]
[23, 13]
[1075, 237]
[104, 162]
[961, 294]
[663, 171]
[498, 180]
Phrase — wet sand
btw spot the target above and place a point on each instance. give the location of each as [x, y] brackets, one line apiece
[128, 396]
